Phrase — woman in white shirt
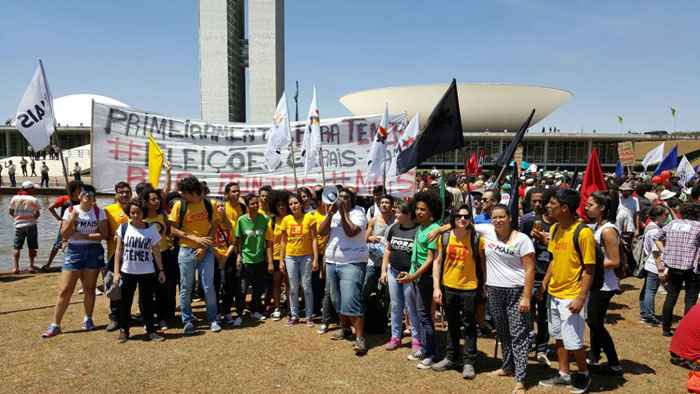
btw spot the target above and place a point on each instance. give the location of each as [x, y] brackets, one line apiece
[510, 276]
[647, 296]
[601, 208]
[84, 227]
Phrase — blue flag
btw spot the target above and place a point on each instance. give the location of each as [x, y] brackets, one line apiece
[670, 162]
[619, 170]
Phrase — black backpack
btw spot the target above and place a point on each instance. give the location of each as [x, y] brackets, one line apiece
[475, 239]
[599, 273]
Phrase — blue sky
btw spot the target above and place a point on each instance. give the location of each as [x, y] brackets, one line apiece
[630, 58]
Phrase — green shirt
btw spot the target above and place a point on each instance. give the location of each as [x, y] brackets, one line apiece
[253, 234]
[421, 246]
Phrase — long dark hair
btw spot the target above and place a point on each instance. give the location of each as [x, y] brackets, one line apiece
[608, 202]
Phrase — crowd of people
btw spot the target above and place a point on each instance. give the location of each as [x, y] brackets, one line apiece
[464, 259]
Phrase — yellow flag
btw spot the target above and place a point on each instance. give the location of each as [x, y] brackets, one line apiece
[155, 161]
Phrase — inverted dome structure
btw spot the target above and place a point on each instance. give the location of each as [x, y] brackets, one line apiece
[76, 109]
[483, 107]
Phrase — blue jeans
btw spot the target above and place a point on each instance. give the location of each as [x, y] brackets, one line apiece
[188, 265]
[346, 283]
[299, 271]
[647, 297]
[401, 296]
[423, 290]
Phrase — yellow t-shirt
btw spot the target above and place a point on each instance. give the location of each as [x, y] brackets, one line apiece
[321, 239]
[159, 222]
[115, 217]
[276, 237]
[459, 265]
[223, 240]
[299, 242]
[232, 214]
[196, 220]
[565, 282]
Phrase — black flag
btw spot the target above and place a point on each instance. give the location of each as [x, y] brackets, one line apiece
[514, 198]
[442, 133]
[507, 155]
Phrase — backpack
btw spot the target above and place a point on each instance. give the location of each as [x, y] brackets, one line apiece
[599, 273]
[623, 269]
[474, 241]
[183, 210]
[94, 209]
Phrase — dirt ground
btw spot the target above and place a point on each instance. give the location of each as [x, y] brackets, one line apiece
[270, 357]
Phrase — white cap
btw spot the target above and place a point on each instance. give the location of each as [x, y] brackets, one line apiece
[27, 185]
[666, 194]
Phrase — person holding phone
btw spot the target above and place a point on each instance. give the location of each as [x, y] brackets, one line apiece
[396, 262]
[136, 259]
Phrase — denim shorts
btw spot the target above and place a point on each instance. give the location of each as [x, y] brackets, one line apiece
[30, 234]
[79, 257]
[346, 282]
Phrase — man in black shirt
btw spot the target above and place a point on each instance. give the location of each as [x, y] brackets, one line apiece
[536, 225]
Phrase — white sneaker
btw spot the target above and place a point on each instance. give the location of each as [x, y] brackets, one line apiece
[543, 359]
[98, 292]
[215, 327]
[426, 363]
[80, 291]
[257, 316]
[277, 315]
[238, 322]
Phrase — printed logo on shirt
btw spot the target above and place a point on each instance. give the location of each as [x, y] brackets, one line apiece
[402, 244]
[137, 249]
[505, 249]
[296, 230]
[457, 252]
[195, 217]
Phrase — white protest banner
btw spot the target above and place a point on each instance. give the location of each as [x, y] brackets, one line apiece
[234, 152]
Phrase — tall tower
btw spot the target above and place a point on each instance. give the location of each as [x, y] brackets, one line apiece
[225, 53]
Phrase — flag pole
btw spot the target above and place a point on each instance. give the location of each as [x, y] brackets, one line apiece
[291, 146]
[55, 127]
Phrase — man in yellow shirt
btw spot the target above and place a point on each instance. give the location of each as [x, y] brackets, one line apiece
[567, 281]
[195, 225]
[116, 215]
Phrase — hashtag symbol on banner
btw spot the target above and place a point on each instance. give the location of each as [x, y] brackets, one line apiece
[120, 149]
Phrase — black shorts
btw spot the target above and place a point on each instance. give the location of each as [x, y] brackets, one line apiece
[30, 234]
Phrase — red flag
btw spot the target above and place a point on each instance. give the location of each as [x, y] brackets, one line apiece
[592, 181]
[473, 165]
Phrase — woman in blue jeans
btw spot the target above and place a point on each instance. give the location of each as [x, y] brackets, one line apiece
[84, 227]
[299, 251]
[647, 296]
[397, 259]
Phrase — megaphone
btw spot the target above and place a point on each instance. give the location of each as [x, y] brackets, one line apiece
[329, 195]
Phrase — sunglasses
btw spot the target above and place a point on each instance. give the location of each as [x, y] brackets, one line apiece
[466, 217]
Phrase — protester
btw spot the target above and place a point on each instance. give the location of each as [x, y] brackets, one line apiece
[376, 228]
[137, 250]
[396, 262]
[84, 227]
[346, 260]
[192, 220]
[489, 199]
[165, 292]
[32, 165]
[227, 277]
[306, 199]
[23, 165]
[254, 240]
[459, 271]
[427, 208]
[377, 193]
[11, 168]
[263, 195]
[299, 251]
[44, 175]
[679, 243]
[568, 286]
[652, 266]
[601, 208]
[685, 344]
[63, 202]
[279, 210]
[318, 279]
[116, 215]
[456, 194]
[537, 224]
[24, 209]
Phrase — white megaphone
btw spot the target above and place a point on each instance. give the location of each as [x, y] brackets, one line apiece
[329, 195]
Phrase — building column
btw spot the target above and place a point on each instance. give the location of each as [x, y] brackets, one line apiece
[7, 143]
[546, 148]
[590, 147]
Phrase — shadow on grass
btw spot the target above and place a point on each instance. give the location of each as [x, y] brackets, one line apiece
[615, 306]
[9, 278]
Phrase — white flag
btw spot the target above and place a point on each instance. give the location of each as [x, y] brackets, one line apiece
[653, 156]
[311, 143]
[406, 140]
[279, 136]
[685, 171]
[377, 153]
[35, 117]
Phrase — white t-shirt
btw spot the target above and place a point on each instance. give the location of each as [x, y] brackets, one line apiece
[504, 267]
[650, 233]
[631, 205]
[342, 249]
[610, 281]
[86, 223]
[137, 256]
[25, 209]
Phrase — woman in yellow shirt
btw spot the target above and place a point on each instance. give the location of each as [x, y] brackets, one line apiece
[278, 210]
[299, 250]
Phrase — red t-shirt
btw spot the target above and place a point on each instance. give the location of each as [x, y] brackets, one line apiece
[686, 341]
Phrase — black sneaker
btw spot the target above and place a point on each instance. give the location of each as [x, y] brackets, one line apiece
[154, 337]
[667, 333]
[343, 333]
[360, 347]
[556, 380]
[123, 336]
[580, 383]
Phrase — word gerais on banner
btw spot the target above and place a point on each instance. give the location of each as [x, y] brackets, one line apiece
[235, 152]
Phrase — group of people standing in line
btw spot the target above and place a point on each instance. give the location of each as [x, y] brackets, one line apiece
[546, 274]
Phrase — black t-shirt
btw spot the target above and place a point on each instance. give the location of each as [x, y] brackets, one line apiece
[542, 256]
[400, 241]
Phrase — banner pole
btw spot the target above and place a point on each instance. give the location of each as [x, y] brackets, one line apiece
[294, 163]
[60, 154]
[323, 170]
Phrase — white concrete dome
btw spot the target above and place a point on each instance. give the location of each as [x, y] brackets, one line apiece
[76, 109]
[492, 107]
